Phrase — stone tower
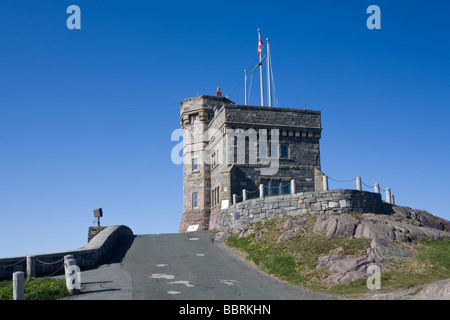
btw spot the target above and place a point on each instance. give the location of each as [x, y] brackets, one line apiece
[229, 148]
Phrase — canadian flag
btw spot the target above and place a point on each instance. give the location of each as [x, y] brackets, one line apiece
[260, 45]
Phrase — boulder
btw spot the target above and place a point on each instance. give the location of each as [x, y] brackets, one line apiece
[439, 290]
[287, 235]
[294, 222]
[385, 249]
[340, 225]
[345, 268]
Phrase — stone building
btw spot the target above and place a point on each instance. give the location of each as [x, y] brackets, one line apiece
[231, 149]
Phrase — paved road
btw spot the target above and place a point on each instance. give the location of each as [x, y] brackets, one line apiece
[182, 266]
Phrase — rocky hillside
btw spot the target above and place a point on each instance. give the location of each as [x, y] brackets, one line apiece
[335, 251]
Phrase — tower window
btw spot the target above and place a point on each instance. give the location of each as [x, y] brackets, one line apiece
[195, 200]
[194, 164]
[284, 151]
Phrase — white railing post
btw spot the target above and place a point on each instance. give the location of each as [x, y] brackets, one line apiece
[234, 199]
[377, 188]
[18, 285]
[293, 186]
[73, 275]
[358, 184]
[244, 194]
[325, 183]
[31, 267]
[388, 195]
[261, 190]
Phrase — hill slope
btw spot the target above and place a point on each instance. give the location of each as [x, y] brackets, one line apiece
[332, 253]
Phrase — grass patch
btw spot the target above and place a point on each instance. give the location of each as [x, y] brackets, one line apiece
[36, 289]
[430, 263]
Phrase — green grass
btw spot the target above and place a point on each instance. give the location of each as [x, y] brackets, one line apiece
[36, 289]
[294, 261]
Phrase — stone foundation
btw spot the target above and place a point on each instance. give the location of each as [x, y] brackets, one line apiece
[237, 217]
[194, 218]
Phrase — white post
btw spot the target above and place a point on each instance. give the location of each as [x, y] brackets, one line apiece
[73, 276]
[261, 190]
[392, 199]
[269, 86]
[377, 188]
[234, 198]
[388, 195]
[325, 183]
[244, 194]
[358, 184]
[18, 285]
[31, 267]
[293, 189]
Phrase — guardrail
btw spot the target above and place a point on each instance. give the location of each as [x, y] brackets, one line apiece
[52, 263]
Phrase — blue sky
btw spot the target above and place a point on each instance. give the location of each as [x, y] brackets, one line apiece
[86, 115]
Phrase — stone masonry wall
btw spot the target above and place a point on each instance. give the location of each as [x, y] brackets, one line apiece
[238, 216]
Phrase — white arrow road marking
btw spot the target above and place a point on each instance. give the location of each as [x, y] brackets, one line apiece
[186, 283]
[162, 265]
[162, 276]
[173, 292]
[228, 282]
[193, 238]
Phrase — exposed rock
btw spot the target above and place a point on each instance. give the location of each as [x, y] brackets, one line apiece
[439, 290]
[295, 222]
[287, 235]
[299, 229]
[345, 268]
[220, 236]
[340, 225]
[245, 233]
[384, 249]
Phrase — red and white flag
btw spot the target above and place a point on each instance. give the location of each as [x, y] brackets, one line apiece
[260, 45]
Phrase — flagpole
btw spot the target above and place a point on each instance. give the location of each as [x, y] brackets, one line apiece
[245, 71]
[269, 86]
[261, 71]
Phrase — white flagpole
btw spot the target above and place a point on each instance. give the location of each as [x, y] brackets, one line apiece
[261, 71]
[269, 86]
[245, 71]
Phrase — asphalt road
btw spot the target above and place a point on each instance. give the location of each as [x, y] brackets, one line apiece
[186, 266]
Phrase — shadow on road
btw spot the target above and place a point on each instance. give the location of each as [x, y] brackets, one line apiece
[120, 250]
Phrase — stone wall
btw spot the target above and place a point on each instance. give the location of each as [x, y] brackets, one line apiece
[88, 256]
[240, 215]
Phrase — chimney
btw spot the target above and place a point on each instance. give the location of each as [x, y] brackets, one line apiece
[218, 93]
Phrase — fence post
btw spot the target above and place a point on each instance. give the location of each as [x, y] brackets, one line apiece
[293, 186]
[392, 199]
[31, 267]
[388, 195]
[325, 183]
[358, 184]
[261, 190]
[244, 194]
[18, 285]
[73, 276]
[234, 198]
[377, 188]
